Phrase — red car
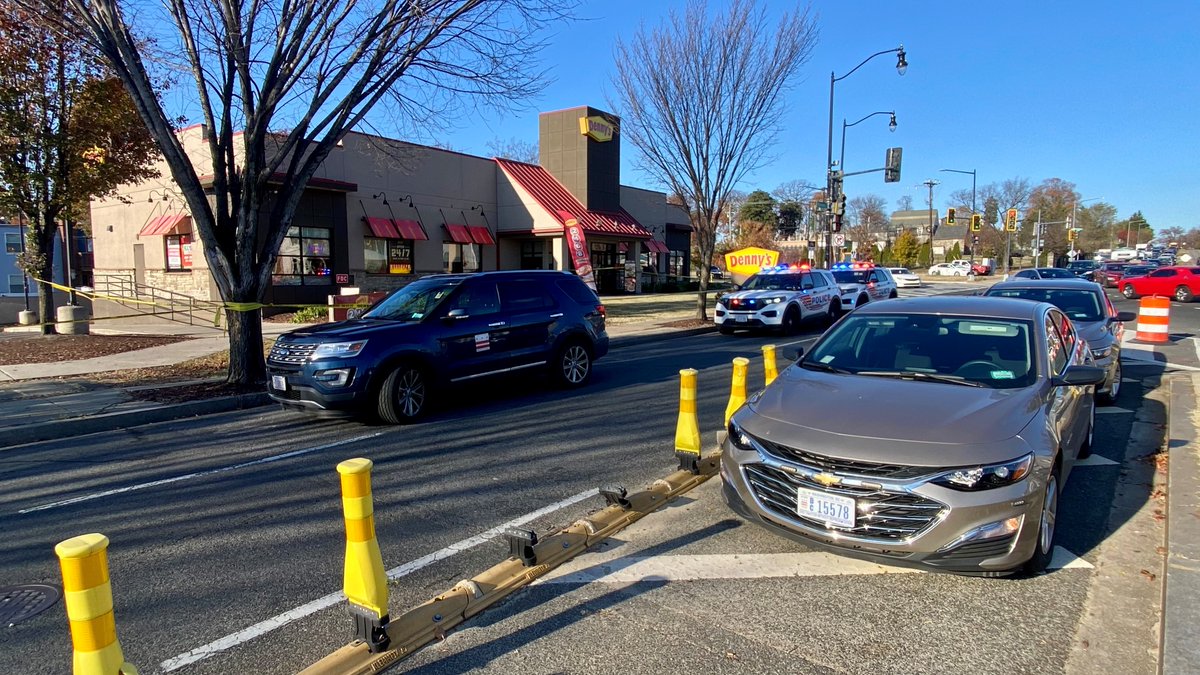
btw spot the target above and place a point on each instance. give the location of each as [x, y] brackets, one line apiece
[1109, 274]
[1180, 283]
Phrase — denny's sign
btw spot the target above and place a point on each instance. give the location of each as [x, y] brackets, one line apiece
[749, 261]
[597, 128]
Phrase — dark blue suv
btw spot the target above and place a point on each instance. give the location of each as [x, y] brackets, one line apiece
[438, 330]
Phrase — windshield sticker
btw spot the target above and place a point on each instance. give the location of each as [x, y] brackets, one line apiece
[417, 315]
[827, 358]
[1002, 375]
[987, 329]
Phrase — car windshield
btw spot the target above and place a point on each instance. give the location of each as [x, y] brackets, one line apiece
[1082, 265]
[413, 302]
[851, 276]
[1080, 305]
[968, 350]
[774, 282]
[1055, 273]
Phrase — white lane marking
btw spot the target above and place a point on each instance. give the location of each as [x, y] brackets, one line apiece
[742, 566]
[264, 627]
[198, 474]
[1096, 460]
[1112, 410]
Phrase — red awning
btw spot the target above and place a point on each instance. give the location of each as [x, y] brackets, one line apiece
[410, 229]
[458, 233]
[382, 227]
[657, 246]
[481, 235]
[173, 223]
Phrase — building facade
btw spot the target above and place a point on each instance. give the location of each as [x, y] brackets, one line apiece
[382, 212]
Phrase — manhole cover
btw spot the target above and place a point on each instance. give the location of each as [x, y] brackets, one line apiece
[18, 603]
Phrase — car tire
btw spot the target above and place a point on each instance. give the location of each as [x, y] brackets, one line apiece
[958, 273]
[1183, 294]
[1110, 397]
[725, 330]
[404, 395]
[572, 364]
[835, 310]
[791, 321]
[862, 300]
[1043, 547]
[1128, 292]
[893, 295]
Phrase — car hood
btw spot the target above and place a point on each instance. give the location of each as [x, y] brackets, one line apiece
[754, 295]
[351, 329]
[852, 287]
[875, 419]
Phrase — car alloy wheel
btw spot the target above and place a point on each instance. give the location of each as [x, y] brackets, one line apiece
[1183, 294]
[1114, 387]
[404, 396]
[1128, 292]
[1044, 546]
[574, 365]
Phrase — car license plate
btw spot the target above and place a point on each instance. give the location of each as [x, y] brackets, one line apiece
[279, 383]
[826, 507]
[740, 319]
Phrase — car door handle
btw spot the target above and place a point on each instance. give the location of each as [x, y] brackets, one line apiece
[556, 316]
[497, 324]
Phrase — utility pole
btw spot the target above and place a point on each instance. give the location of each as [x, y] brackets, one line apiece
[932, 224]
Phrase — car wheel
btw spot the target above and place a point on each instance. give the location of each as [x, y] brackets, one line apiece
[1043, 548]
[1114, 388]
[791, 321]
[892, 295]
[835, 310]
[573, 364]
[725, 330]
[862, 300]
[404, 395]
[958, 273]
[1183, 294]
[1128, 292]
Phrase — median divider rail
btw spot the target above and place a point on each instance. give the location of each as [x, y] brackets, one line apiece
[87, 595]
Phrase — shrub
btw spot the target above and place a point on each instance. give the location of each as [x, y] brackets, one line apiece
[311, 315]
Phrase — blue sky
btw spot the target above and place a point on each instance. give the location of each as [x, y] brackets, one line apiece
[1103, 94]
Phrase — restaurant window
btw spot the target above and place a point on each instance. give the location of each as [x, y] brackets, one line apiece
[304, 258]
[179, 252]
[675, 263]
[459, 257]
[16, 284]
[12, 242]
[388, 256]
[533, 254]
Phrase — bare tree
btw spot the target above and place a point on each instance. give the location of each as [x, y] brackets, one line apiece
[278, 84]
[700, 101]
[515, 149]
[904, 203]
[869, 217]
[795, 190]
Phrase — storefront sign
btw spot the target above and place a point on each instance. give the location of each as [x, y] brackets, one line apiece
[597, 128]
[749, 261]
[579, 251]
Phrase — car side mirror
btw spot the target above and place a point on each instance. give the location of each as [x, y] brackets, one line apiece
[792, 352]
[456, 314]
[1075, 376]
[1124, 316]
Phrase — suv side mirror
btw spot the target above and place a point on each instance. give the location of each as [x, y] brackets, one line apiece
[455, 314]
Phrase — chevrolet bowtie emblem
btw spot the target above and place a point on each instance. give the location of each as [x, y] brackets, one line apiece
[826, 479]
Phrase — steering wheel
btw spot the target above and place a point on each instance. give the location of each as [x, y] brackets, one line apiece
[973, 367]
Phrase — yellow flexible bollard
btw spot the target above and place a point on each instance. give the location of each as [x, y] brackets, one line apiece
[769, 365]
[364, 579]
[737, 392]
[87, 595]
[687, 429]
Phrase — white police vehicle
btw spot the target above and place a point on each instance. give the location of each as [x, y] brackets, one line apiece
[861, 283]
[780, 298]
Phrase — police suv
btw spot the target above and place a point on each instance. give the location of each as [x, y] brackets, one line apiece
[861, 283]
[781, 298]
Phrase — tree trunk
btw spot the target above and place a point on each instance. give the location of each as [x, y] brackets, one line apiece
[46, 313]
[246, 364]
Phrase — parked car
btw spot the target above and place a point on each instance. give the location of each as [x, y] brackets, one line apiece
[441, 329]
[949, 270]
[1109, 273]
[779, 298]
[1089, 308]
[715, 272]
[976, 489]
[904, 278]
[1180, 283]
[1040, 273]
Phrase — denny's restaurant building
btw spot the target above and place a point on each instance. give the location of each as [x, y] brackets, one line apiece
[382, 212]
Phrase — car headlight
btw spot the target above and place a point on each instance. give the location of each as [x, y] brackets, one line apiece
[739, 438]
[338, 350]
[1102, 352]
[773, 300]
[986, 477]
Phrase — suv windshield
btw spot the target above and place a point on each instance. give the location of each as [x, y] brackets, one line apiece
[851, 276]
[413, 302]
[775, 282]
[1079, 305]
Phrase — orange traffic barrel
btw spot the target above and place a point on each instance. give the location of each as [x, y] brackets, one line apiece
[1153, 315]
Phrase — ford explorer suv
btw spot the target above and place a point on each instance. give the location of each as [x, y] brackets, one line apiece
[393, 360]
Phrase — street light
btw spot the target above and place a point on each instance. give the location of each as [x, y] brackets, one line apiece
[901, 68]
[891, 127]
[932, 227]
[972, 172]
[1070, 225]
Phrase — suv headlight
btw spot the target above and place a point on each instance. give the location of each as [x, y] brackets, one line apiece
[338, 350]
[986, 477]
[739, 438]
[773, 300]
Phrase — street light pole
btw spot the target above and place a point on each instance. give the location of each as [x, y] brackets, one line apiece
[972, 172]
[929, 184]
[830, 193]
[1071, 224]
[891, 127]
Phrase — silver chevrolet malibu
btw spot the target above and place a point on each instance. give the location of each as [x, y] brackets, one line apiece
[933, 431]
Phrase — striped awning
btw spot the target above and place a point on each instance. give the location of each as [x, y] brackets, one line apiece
[458, 233]
[481, 235]
[173, 223]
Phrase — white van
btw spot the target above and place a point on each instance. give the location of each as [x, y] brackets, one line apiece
[1124, 254]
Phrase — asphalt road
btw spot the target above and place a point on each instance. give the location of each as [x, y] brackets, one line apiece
[227, 541]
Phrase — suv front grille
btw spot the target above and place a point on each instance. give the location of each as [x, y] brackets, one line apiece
[844, 466]
[881, 514]
[290, 353]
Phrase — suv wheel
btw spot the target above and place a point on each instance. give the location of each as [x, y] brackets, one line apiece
[404, 396]
[791, 321]
[573, 364]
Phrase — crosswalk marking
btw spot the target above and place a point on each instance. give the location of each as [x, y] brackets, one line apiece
[1096, 460]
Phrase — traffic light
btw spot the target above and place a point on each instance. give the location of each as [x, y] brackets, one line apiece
[1071, 233]
[950, 216]
[1010, 220]
[839, 211]
[976, 222]
[891, 165]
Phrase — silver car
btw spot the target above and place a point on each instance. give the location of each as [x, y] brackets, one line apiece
[1094, 317]
[989, 405]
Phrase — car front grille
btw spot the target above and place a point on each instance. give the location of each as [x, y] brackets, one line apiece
[990, 548]
[844, 466]
[290, 353]
[881, 514]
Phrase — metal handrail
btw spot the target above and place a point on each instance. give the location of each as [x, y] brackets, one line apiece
[167, 304]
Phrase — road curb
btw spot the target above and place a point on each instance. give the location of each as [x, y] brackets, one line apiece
[79, 426]
[1181, 569]
[628, 340]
